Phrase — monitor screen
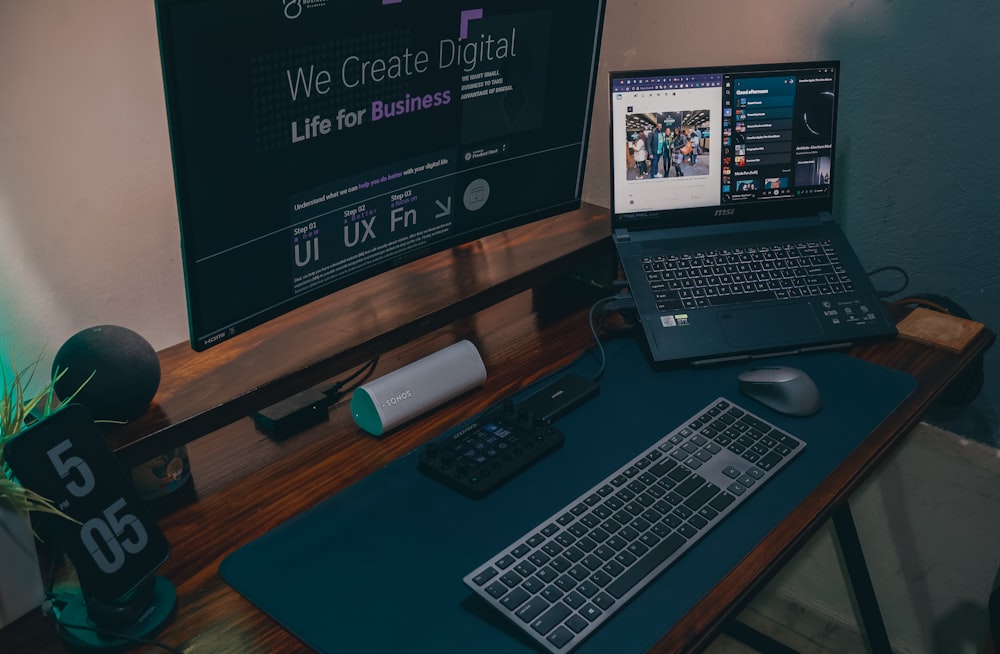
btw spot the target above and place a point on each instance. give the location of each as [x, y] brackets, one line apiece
[317, 143]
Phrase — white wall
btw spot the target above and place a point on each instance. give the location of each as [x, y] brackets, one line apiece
[87, 215]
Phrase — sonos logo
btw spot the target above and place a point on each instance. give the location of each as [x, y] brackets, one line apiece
[293, 9]
[396, 399]
[725, 212]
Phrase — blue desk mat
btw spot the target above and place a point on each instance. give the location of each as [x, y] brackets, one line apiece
[378, 567]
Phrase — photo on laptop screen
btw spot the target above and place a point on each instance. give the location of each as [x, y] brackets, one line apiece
[722, 211]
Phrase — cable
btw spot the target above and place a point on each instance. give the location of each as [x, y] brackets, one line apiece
[933, 302]
[618, 302]
[337, 390]
[115, 634]
[906, 279]
[54, 603]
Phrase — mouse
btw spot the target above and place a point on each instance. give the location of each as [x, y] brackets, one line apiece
[785, 389]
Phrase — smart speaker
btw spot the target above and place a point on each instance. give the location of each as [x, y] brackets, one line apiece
[389, 401]
[113, 371]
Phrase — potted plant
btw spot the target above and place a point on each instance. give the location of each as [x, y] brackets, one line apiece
[21, 587]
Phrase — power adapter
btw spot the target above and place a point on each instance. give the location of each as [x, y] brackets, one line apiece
[293, 415]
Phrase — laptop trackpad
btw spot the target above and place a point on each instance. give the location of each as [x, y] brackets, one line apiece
[774, 325]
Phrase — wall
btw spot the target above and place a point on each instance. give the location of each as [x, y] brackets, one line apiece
[87, 213]
[87, 208]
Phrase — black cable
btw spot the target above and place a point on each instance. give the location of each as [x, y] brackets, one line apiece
[906, 279]
[114, 634]
[366, 369]
[617, 302]
[594, 329]
[931, 303]
[337, 390]
[623, 300]
[597, 343]
[52, 599]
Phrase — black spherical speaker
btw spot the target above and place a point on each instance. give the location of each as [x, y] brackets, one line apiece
[125, 369]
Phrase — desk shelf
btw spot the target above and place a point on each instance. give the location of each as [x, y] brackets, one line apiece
[203, 391]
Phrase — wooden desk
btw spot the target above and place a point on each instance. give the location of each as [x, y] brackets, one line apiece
[247, 484]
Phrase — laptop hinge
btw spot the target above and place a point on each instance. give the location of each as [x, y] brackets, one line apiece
[825, 217]
[621, 235]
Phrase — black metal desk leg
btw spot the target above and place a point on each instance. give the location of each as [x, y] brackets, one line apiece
[754, 639]
[860, 580]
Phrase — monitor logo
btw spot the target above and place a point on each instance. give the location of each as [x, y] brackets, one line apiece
[725, 212]
[293, 8]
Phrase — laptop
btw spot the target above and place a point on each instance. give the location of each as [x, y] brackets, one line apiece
[722, 213]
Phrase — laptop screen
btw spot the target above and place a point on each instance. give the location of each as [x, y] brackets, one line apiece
[707, 145]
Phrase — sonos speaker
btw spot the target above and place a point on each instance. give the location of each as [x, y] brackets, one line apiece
[389, 401]
[113, 371]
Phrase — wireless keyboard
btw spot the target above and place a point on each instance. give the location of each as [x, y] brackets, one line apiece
[567, 576]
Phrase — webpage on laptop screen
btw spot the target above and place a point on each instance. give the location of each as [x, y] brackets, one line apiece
[706, 139]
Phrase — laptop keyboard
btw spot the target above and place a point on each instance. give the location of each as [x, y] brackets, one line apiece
[568, 575]
[719, 277]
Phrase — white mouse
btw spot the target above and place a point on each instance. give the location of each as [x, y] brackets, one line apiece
[783, 388]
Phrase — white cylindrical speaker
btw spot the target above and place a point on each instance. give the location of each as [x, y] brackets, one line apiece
[389, 401]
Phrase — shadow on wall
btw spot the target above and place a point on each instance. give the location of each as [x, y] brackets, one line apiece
[917, 88]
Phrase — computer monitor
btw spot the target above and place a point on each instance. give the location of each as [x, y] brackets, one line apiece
[317, 143]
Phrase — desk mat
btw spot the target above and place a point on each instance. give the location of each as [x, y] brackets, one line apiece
[378, 567]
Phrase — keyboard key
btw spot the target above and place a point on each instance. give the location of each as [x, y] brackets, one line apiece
[590, 612]
[721, 501]
[515, 598]
[560, 636]
[496, 589]
[530, 609]
[551, 618]
[635, 574]
[485, 576]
